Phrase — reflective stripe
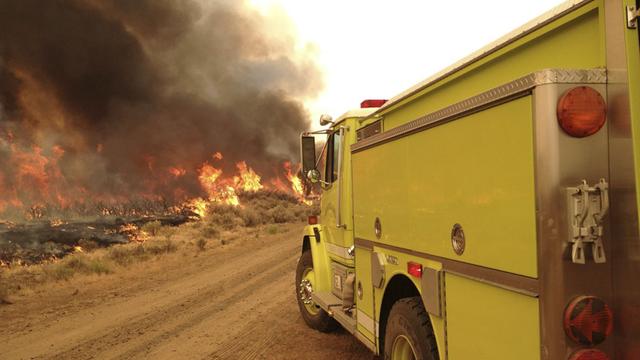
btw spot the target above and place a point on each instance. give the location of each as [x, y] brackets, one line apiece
[366, 322]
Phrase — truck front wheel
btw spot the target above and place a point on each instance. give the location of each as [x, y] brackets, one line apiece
[408, 334]
[312, 314]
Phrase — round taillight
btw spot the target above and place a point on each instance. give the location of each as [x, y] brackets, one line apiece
[588, 320]
[581, 111]
[589, 354]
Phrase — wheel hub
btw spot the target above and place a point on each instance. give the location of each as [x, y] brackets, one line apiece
[305, 291]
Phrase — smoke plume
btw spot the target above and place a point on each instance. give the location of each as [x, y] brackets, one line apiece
[107, 96]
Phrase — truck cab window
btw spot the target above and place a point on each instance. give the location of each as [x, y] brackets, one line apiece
[332, 153]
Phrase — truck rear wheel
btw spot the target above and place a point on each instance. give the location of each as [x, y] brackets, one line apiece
[312, 314]
[408, 334]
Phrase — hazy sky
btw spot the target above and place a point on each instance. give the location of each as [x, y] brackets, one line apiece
[376, 49]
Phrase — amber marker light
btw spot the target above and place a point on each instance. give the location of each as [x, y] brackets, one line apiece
[581, 111]
[312, 219]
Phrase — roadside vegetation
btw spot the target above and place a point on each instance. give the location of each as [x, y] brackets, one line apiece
[260, 215]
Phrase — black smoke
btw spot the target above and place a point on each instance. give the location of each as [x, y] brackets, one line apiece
[130, 88]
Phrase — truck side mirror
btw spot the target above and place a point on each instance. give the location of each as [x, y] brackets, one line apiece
[308, 147]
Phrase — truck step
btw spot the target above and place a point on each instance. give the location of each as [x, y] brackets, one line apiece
[325, 300]
[333, 305]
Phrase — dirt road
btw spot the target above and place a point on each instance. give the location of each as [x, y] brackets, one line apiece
[227, 302]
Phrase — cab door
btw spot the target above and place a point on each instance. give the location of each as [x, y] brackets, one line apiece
[336, 220]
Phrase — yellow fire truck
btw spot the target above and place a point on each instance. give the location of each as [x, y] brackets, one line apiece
[490, 211]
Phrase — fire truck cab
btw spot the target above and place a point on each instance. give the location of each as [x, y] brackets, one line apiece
[490, 211]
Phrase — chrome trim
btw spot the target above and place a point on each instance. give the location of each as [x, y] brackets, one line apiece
[623, 212]
[431, 283]
[363, 244]
[632, 17]
[516, 88]
[339, 223]
[337, 250]
[559, 162]
[369, 130]
[366, 321]
[371, 346]
[517, 283]
[497, 45]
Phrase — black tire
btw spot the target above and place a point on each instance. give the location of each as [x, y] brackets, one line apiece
[312, 314]
[408, 322]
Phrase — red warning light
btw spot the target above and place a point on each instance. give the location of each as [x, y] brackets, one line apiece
[588, 320]
[414, 269]
[372, 103]
[589, 354]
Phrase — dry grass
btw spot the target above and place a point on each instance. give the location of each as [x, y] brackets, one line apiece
[202, 244]
[152, 228]
[260, 208]
[261, 213]
[99, 262]
[79, 263]
[126, 255]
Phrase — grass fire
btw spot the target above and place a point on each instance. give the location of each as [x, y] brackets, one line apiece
[125, 113]
[120, 103]
[149, 167]
[125, 120]
[27, 260]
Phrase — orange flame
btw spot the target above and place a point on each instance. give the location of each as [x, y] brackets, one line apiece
[220, 191]
[208, 177]
[199, 206]
[248, 181]
[37, 169]
[296, 183]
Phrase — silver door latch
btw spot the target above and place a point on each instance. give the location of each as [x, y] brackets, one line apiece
[588, 206]
[632, 17]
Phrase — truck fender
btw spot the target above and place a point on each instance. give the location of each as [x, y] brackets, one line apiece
[398, 287]
[313, 242]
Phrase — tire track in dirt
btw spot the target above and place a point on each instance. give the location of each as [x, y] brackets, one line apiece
[17, 323]
[236, 302]
[220, 306]
[137, 329]
[243, 345]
